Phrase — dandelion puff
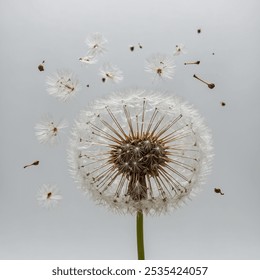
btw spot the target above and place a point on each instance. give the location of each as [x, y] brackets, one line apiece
[48, 196]
[110, 72]
[161, 65]
[180, 49]
[48, 130]
[96, 43]
[140, 151]
[63, 85]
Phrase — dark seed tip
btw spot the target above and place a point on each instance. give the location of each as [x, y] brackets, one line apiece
[40, 67]
[211, 86]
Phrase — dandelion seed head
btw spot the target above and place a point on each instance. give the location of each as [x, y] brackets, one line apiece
[140, 150]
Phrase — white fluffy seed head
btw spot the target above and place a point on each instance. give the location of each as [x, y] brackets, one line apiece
[48, 196]
[63, 85]
[49, 130]
[110, 72]
[160, 65]
[140, 150]
[96, 43]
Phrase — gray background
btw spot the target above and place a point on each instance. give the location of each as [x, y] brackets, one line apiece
[211, 226]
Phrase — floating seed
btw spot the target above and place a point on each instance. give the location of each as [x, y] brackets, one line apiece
[34, 163]
[41, 66]
[218, 190]
[210, 85]
[194, 62]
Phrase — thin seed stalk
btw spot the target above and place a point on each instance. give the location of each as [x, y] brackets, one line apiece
[140, 235]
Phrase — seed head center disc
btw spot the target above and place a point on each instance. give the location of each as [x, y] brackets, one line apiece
[140, 156]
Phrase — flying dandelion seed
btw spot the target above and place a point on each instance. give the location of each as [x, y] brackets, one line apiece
[180, 49]
[63, 85]
[210, 85]
[190, 63]
[32, 164]
[140, 151]
[48, 196]
[162, 66]
[41, 66]
[48, 130]
[111, 72]
[96, 43]
[88, 59]
[218, 190]
[132, 47]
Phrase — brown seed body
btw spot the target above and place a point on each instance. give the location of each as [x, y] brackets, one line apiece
[218, 190]
[41, 68]
[34, 163]
[210, 85]
[195, 62]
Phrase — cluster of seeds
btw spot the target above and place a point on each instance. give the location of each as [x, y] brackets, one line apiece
[149, 159]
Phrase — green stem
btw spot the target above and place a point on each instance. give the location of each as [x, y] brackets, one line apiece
[140, 235]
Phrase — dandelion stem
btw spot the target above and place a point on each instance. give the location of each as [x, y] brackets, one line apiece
[140, 235]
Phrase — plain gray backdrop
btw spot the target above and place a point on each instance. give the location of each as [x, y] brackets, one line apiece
[209, 227]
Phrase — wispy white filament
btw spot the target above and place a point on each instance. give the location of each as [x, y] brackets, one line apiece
[111, 73]
[48, 196]
[48, 130]
[96, 43]
[63, 85]
[160, 65]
